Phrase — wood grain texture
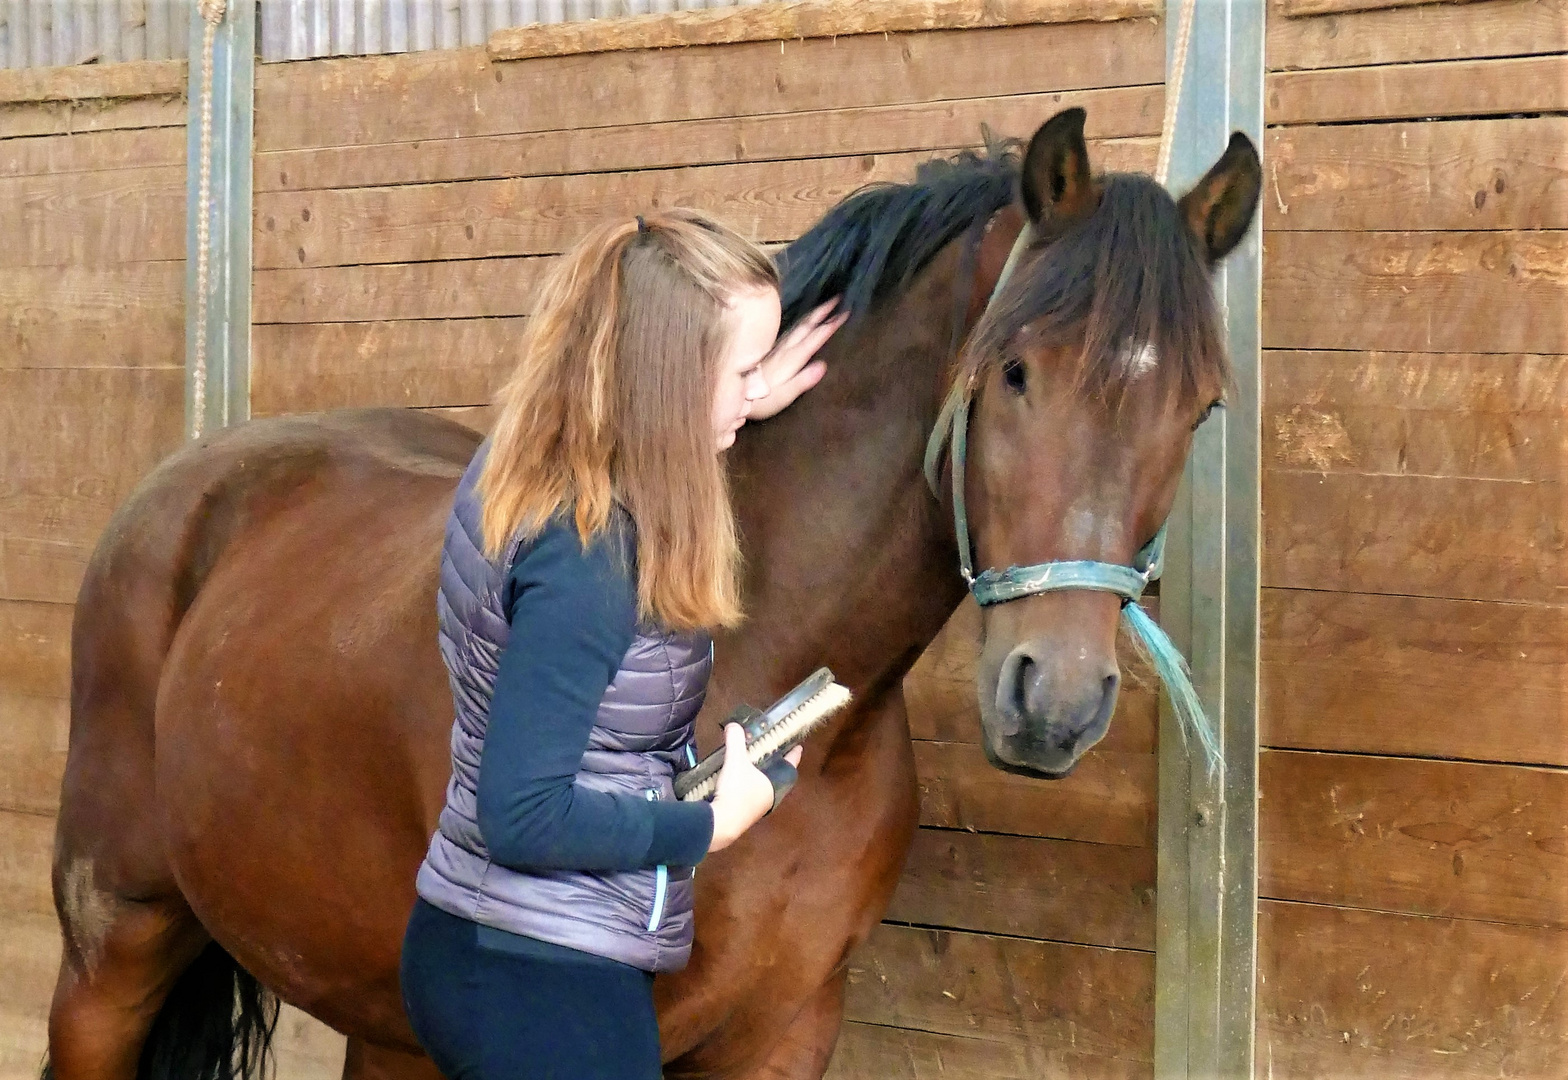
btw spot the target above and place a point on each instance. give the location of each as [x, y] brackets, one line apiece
[1409, 675]
[1432, 31]
[35, 648]
[78, 440]
[1114, 114]
[1461, 292]
[1096, 1002]
[313, 366]
[1529, 84]
[445, 93]
[1108, 799]
[127, 316]
[78, 82]
[465, 289]
[93, 218]
[30, 958]
[33, 733]
[1449, 838]
[795, 20]
[1360, 995]
[1487, 416]
[1452, 537]
[876, 1052]
[1091, 894]
[21, 119]
[92, 151]
[1294, 9]
[1469, 174]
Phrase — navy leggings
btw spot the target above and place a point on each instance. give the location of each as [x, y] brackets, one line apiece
[484, 1011]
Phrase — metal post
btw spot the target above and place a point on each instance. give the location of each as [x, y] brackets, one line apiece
[226, 396]
[1206, 938]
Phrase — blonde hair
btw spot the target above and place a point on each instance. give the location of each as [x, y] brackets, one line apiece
[611, 403]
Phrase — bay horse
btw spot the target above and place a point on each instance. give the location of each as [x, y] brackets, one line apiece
[260, 716]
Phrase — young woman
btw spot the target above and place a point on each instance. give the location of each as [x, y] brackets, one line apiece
[590, 550]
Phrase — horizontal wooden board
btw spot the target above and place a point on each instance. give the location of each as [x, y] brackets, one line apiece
[1453, 537]
[1359, 995]
[1295, 9]
[92, 151]
[1464, 292]
[91, 434]
[93, 218]
[1450, 838]
[446, 93]
[35, 648]
[940, 693]
[1115, 113]
[1432, 31]
[79, 82]
[26, 850]
[33, 733]
[1488, 416]
[877, 1052]
[309, 367]
[23, 119]
[130, 315]
[1062, 890]
[1109, 798]
[1410, 675]
[30, 958]
[1530, 84]
[1462, 174]
[1098, 1002]
[463, 289]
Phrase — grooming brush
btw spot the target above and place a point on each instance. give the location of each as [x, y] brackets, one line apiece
[770, 734]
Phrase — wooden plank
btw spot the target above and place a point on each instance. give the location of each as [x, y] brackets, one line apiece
[26, 851]
[1433, 31]
[92, 433]
[1451, 838]
[466, 289]
[92, 151]
[1091, 894]
[76, 316]
[1359, 995]
[1097, 1002]
[22, 119]
[310, 367]
[93, 219]
[30, 958]
[1109, 798]
[445, 93]
[1409, 675]
[1295, 9]
[1489, 416]
[940, 693]
[77, 82]
[876, 1052]
[1119, 112]
[1529, 84]
[1453, 537]
[35, 648]
[33, 734]
[1472, 174]
[796, 20]
[1466, 292]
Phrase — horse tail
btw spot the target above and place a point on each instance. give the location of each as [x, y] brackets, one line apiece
[216, 1024]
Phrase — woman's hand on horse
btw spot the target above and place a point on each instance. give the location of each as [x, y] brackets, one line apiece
[789, 369]
[744, 795]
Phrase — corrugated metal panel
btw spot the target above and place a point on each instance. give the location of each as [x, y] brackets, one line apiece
[302, 29]
[46, 33]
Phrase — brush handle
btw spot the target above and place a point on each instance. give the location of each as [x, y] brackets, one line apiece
[756, 723]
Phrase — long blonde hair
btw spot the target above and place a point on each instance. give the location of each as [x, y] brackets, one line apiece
[611, 403]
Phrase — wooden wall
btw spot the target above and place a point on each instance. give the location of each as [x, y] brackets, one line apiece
[405, 209]
[1414, 816]
[92, 353]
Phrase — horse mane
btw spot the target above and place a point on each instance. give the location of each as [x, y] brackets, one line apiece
[874, 242]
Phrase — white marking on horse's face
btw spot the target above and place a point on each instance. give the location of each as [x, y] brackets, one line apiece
[1139, 360]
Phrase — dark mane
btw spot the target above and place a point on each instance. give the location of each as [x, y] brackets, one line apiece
[874, 242]
[1127, 276]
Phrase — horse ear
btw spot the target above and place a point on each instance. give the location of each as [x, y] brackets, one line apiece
[1055, 183]
[1220, 207]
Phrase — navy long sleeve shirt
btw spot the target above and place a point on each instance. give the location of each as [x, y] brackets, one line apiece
[573, 613]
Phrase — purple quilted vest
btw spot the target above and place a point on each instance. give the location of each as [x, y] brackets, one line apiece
[642, 733]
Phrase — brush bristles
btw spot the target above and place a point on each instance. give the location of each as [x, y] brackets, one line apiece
[805, 716]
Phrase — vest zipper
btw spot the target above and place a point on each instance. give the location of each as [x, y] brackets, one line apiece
[661, 883]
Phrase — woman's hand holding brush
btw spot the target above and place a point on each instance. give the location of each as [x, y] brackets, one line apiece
[745, 793]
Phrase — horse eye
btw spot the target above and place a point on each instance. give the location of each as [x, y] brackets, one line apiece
[1013, 375]
[1206, 412]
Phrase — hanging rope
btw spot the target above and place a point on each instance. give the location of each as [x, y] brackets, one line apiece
[1162, 166]
[212, 12]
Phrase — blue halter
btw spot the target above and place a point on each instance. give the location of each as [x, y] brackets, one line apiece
[1015, 582]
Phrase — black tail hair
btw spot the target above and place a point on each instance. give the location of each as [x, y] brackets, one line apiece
[216, 1024]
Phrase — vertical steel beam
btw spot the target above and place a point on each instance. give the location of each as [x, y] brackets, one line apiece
[226, 397]
[1206, 938]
